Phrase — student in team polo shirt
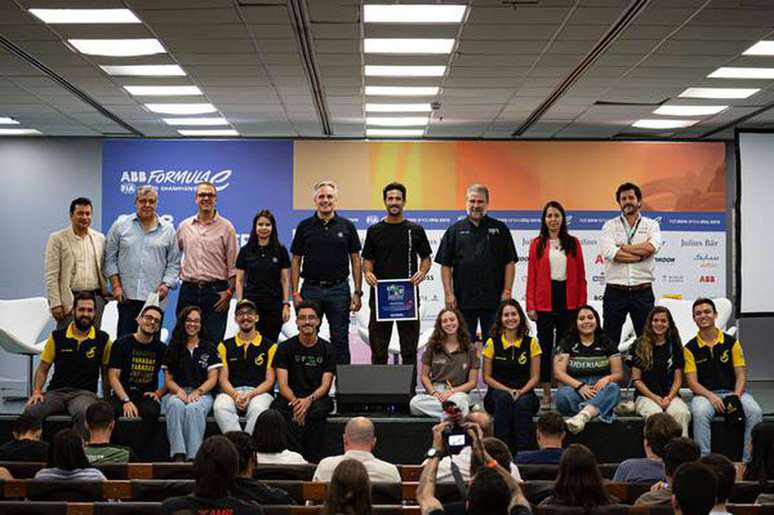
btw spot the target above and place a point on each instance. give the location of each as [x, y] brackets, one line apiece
[512, 370]
[247, 376]
[714, 369]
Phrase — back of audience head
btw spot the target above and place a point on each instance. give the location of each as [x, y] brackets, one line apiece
[499, 452]
[215, 467]
[550, 429]
[488, 493]
[66, 451]
[579, 482]
[349, 490]
[693, 489]
[359, 434]
[678, 451]
[725, 473]
[761, 465]
[243, 443]
[270, 434]
[660, 429]
[100, 416]
[483, 420]
[27, 427]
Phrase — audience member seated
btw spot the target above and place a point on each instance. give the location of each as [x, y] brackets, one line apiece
[247, 488]
[579, 482]
[101, 422]
[694, 488]
[349, 490]
[270, 438]
[66, 460]
[449, 368]
[215, 469]
[725, 472]
[511, 371]
[587, 362]
[359, 441]
[678, 451]
[660, 429]
[761, 465]
[657, 362]
[715, 369]
[26, 444]
[492, 491]
[5, 474]
[550, 436]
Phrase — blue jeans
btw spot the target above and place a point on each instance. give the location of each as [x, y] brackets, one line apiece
[569, 402]
[702, 413]
[334, 301]
[186, 423]
[512, 419]
[617, 303]
[472, 318]
[205, 297]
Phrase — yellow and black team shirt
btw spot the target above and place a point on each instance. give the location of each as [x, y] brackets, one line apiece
[77, 362]
[511, 360]
[714, 362]
[246, 361]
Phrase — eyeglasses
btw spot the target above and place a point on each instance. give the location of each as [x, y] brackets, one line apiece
[307, 317]
[194, 321]
[152, 319]
[205, 195]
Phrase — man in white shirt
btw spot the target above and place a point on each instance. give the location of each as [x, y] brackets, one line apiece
[359, 441]
[628, 244]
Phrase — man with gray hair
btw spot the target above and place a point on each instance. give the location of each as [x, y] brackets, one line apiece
[141, 257]
[327, 244]
[359, 441]
[478, 263]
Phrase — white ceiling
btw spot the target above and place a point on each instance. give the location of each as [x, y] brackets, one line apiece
[246, 57]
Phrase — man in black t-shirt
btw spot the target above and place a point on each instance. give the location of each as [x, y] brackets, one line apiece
[26, 444]
[305, 367]
[390, 252]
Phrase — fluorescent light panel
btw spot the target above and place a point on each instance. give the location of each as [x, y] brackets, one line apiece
[195, 121]
[202, 108]
[396, 133]
[54, 16]
[408, 45]
[208, 132]
[398, 108]
[399, 121]
[163, 91]
[118, 47]
[144, 70]
[404, 71]
[675, 110]
[402, 91]
[413, 13]
[719, 92]
[760, 48]
[733, 72]
[6, 120]
[19, 132]
[663, 124]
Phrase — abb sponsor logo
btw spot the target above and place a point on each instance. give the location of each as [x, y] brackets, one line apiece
[708, 279]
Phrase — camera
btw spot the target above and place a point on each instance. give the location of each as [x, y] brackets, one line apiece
[455, 437]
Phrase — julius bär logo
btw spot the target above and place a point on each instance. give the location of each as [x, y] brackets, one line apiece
[173, 180]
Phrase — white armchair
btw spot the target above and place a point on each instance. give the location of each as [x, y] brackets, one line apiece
[21, 322]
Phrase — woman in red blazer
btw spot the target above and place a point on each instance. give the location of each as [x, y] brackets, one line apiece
[556, 284]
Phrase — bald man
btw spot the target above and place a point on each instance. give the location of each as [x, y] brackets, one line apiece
[359, 440]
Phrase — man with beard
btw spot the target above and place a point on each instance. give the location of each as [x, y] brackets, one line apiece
[390, 252]
[79, 354]
[305, 366]
[628, 244]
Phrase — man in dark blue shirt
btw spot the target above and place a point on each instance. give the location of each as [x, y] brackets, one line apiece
[550, 435]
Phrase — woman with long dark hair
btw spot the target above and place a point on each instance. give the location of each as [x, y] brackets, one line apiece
[270, 438]
[449, 368]
[349, 490]
[657, 362]
[67, 460]
[761, 465]
[556, 285]
[190, 373]
[589, 366]
[511, 371]
[263, 275]
[579, 482]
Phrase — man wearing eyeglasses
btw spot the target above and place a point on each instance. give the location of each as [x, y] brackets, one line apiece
[133, 371]
[209, 245]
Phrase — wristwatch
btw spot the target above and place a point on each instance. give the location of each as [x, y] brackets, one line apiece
[432, 452]
[359, 293]
[126, 400]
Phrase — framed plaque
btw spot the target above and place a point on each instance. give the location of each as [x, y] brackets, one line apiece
[396, 299]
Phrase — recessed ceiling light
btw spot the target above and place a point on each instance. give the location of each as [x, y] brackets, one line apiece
[732, 72]
[144, 70]
[399, 108]
[208, 132]
[118, 47]
[402, 91]
[202, 108]
[663, 124]
[396, 133]
[402, 121]
[20, 132]
[408, 45]
[85, 15]
[6, 120]
[413, 13]
[404, 71]
[719, 92]
[163, 91]
[760, 48]
[675, 110]
[195, 121]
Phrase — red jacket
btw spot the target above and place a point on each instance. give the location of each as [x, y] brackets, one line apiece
[539, 278]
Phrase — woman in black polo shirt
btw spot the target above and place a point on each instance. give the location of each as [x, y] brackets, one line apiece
[587, 362]
[657, 362]
[263, 275]
[511, 371]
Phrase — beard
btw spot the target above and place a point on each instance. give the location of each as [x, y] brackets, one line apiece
[83, 323]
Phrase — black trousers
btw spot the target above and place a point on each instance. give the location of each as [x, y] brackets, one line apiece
[551, 326]
[269, 317]
[309, 438]
[138, 436]
[379, 334]
[617, 303]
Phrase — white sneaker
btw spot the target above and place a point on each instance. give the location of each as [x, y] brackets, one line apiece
[577, 423]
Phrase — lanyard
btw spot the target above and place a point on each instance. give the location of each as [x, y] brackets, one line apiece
[409, 253]
[630, 233]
